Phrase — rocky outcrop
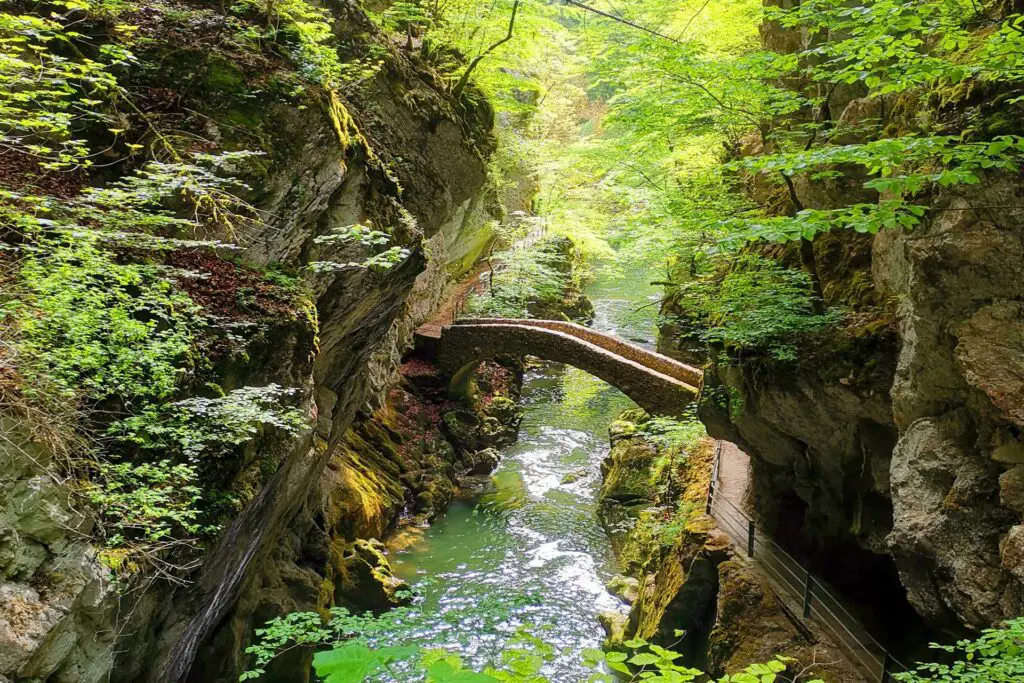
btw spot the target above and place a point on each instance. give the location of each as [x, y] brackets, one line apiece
[752, 625]
[911, 457]
[686, 587]
[887, 456]
[957, 400]
[398, 153]
[55, 593]
[563, 256]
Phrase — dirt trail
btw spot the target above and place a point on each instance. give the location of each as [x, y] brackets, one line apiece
[454, 299]
[733, 475]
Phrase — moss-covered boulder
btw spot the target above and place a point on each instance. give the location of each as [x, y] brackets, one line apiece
[365, 580]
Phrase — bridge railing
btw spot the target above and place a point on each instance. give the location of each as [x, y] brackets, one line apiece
[816, 599]
[655, 361]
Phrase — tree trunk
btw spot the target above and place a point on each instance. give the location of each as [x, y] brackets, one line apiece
[807, 260]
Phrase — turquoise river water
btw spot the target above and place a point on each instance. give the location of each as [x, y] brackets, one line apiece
[525, 546]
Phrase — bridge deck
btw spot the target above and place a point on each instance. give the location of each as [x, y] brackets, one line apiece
[657, 383]
[650, 359]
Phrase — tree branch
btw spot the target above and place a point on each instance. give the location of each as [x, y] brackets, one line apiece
[461, 85]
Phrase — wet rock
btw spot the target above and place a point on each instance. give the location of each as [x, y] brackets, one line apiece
[484, 461]
[991, 352]
[614, 624]
[1011, 551]
[366, 577]
[461, 428]
[626, 472]
[625, 588]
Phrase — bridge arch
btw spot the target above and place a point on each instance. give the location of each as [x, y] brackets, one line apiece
[658, 384]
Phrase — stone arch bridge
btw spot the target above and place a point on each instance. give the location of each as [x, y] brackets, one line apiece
[657, 383]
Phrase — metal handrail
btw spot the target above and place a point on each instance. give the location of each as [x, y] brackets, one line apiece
[818, 600]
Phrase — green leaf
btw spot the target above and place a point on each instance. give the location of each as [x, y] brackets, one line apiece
[445, 672]
[644, 659]
[348, 663]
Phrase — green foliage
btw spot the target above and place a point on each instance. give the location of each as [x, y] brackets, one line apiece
[309, 29]
[755, 305]
[369, 238]
[403, 15]
[94, 327]
[67, 90]
[351, 659]
[147, 507]
[209, 427]
[529, 275]
[673, 433]
[372, 631]
[98, 327]
[997, 656]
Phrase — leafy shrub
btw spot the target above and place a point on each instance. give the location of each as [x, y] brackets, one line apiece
[146, 508]
[756, 305]
[98, 327]
[352, 658]
[210, 426]
[527, 275]
[997, 655]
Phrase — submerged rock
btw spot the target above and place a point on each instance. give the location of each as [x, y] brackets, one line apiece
[575, 476]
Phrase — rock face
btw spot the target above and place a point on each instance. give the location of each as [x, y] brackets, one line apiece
[916, 460]
[55, 596]
[747, 607]
[958, 397]
[684, 576]
[892, 453]
[289, 543]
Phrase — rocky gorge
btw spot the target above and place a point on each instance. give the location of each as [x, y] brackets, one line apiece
[217, 417]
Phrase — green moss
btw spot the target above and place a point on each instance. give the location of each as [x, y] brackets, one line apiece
[222, 76]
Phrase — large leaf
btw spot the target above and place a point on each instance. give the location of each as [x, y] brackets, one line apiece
[445, 672]
[348, 663]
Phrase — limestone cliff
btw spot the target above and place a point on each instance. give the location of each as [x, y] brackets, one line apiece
[397, 151]
[889, 456]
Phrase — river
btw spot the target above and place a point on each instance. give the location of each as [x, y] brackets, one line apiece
[525, 545]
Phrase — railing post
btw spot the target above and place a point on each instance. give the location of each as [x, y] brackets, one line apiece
[808, 583]
[885, 668]
[750, 538]
[711, 493]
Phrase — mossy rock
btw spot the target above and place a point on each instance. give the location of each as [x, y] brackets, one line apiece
[484, 461]
[460, 426]
[366, 579]
[625, 588]
[626, 472]
[614, 625]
